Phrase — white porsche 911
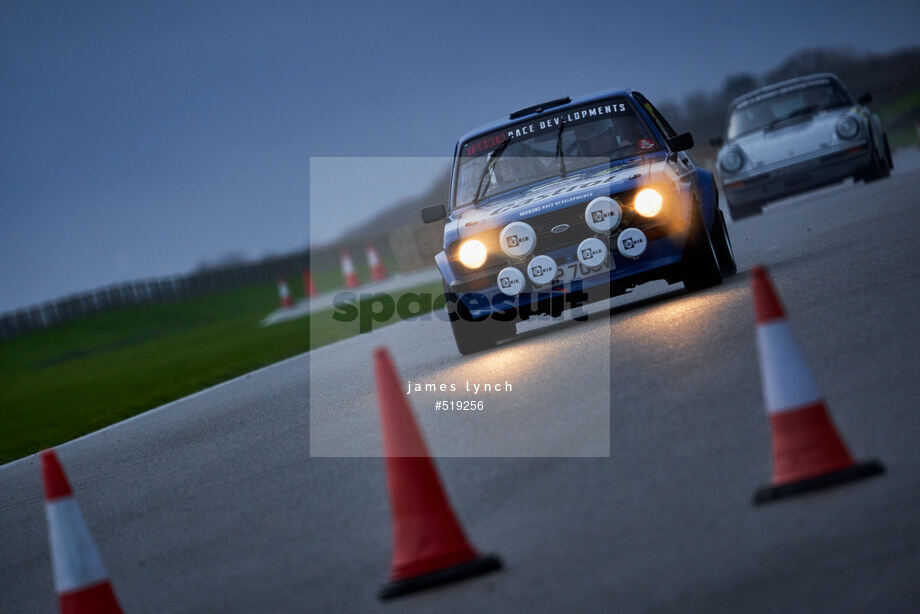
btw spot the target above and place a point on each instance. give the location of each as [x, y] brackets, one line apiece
[795, 136]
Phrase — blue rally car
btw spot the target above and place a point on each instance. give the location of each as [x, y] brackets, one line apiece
[569, 202]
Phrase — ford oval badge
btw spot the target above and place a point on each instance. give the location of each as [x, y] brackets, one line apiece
[559, 228]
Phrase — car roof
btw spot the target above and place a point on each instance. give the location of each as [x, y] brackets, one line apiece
[775, 86]
[501, 123]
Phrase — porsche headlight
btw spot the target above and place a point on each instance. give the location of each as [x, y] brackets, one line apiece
[731, 161]
[847, 128]
[472, 254]
[648, 202]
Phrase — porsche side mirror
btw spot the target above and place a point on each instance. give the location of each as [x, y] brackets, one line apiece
[865, 98]
[433, 214]
[716, 141]
[681, 142]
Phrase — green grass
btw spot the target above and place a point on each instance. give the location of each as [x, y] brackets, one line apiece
[898, 116]
[905, 104]
[66, 381]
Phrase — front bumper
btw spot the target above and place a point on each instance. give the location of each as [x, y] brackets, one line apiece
[795, 176]
[659, 261]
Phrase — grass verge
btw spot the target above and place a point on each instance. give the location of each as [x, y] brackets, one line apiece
[70, 380]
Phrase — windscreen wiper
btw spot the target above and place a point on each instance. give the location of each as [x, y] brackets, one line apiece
[493, 158]
[559, 153]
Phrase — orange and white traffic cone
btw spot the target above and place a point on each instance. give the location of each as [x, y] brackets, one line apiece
[284, 295]
[309, 288]
[378, 270]
[80, 580]
[808, 452]
[429, 546]
[348, 271]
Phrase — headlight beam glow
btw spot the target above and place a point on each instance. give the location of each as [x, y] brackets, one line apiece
[472, 254]
[648, 202]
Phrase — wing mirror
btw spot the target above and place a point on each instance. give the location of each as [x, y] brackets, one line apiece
[865, 98]
[433, 214]
[716, 141]
[681, 142]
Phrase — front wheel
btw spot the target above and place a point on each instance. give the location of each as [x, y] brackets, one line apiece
[722, 246]
[700, 264]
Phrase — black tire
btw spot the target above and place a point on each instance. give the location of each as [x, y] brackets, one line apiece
[700, 265]
[888, 158]
[877, 168]
[722, 246]
[739, 212]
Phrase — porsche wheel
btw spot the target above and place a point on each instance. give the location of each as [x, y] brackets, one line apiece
[739, 212]
[878, 167]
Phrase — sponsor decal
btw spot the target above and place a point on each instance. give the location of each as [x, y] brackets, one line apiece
[783, 90]
[490, 142]
[485, 144]
[646, 144]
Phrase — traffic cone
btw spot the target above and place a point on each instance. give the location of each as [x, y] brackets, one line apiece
[429, 546]
[309, 288]
[348, 271]
[284, 295]
[378, 271]
[80, 580]
[808, 452]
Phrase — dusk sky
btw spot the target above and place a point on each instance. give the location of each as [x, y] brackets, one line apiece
[139, 139]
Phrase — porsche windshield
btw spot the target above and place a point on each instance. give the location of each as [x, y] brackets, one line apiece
[773, 107]
[548, 146]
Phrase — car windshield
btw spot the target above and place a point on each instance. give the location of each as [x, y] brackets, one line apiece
[796, 100]
[548, 146]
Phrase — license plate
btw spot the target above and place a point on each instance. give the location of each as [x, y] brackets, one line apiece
[570, 271]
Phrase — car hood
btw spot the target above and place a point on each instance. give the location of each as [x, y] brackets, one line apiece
[556, 194]
[790, 140]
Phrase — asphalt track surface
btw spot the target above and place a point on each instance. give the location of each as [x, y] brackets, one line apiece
[214, 503]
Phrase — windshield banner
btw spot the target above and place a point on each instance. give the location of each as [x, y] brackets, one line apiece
[485, 144]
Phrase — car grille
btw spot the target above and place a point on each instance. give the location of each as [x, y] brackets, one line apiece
[578, 230]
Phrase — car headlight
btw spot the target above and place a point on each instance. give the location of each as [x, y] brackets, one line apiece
[731, 161]
[648, 202]
[473, 254]
[847, 128]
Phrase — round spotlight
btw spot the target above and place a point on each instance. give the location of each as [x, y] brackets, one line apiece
[603, 214]
[592, 252]
[632, 243]
[541, 270]
[517, 239]
[473, 254]
[648, 202]
[510, 281]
